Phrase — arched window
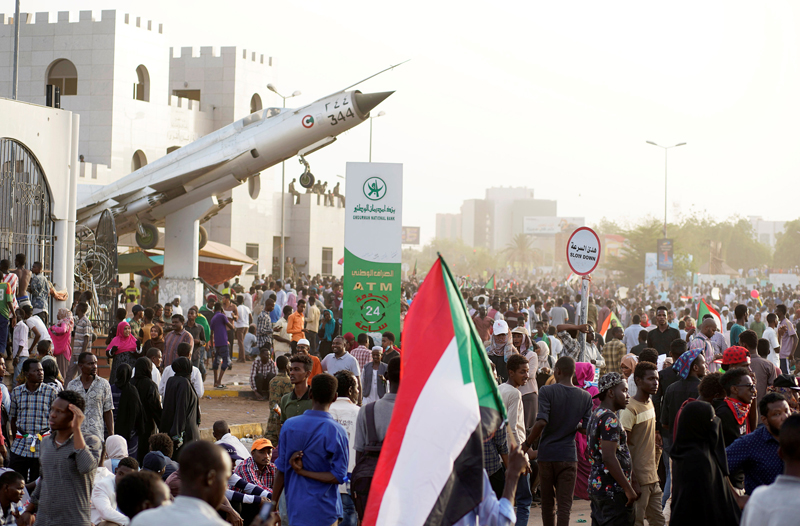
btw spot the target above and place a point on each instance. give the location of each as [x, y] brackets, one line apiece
[138, 160]
[62, 73]
[255, 103]
[141, 89]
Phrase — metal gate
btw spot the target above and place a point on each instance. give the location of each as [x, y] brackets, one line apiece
[26, 226]
[96, 270]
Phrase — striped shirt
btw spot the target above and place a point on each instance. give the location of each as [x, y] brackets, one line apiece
[31, 410]
[65, 488]
[362, 354]
[253, 474]
[83, 328]
[264, 330]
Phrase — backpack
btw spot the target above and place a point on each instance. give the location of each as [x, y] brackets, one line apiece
[367, 461]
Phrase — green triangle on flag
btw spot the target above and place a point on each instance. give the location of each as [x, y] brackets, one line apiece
[490, 284]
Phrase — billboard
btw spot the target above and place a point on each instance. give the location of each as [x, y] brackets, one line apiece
[664, 250]
[550, 225]
[411, 235]
[372, 248]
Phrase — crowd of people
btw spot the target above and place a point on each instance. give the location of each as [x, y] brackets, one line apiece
[642, 409]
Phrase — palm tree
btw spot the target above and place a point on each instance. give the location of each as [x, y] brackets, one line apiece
[520, 250]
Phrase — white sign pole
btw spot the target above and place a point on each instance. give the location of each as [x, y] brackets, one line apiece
[583, 255]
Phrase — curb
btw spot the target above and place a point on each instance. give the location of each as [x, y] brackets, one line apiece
[238, 430]
[228, 393]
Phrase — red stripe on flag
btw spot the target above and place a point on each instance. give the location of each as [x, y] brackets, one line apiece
[427, 332]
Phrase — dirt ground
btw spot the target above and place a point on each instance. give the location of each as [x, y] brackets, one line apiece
[233, 410]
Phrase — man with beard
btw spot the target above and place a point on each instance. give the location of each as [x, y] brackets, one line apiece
[757, 453]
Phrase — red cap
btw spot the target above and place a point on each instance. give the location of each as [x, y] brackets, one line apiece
[735, 354]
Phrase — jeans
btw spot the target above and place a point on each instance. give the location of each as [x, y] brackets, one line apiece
[222, 355]
[498, 482]
[611, 511]
[667, 446]
[524, 499]
[350, 517]
[557, 484]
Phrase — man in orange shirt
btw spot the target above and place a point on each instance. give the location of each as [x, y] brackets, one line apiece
[302, 348]
[296, 324]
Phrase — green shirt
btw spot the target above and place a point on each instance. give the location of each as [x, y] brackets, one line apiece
[293, 406]
[758, 327]
[5, 300]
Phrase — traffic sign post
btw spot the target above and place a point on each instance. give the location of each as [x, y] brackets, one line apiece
[583, 255]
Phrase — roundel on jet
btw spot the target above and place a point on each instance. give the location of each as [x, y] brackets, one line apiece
[308, 121]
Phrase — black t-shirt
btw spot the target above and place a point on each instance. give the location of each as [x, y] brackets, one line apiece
[660, 341]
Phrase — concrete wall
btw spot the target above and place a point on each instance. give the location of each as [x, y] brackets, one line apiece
[309, 228]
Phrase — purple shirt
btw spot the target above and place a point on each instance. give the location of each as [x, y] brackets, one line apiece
[219, 327]
[789, 337]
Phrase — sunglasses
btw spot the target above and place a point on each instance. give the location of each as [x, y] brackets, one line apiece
[752, 387]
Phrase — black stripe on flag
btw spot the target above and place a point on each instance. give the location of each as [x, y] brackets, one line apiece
[463, 490]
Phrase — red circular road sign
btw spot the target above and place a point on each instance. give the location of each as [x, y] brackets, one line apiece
[583, 251]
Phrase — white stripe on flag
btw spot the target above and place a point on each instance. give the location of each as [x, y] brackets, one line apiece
[445, 416]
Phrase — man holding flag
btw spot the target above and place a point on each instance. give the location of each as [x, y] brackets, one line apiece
[430, 470]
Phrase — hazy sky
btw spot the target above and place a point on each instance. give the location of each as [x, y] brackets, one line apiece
[557, 96]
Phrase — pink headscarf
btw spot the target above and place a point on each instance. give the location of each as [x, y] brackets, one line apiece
[584, 372]
[60, 334]
[122, 343]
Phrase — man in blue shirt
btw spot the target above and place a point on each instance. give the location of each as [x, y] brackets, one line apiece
[756, 454]
[312, 460]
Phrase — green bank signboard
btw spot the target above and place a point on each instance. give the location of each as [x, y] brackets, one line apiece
[372, 248]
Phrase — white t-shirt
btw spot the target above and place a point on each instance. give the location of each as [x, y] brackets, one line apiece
[331, 364]
[21, 340]
[244, 317]
[771, 336]
[36, 321]
[346, 413]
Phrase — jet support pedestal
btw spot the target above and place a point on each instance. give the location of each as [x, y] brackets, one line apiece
[181, 259]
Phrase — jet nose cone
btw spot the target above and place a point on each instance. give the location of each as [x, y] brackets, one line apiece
[365, 102]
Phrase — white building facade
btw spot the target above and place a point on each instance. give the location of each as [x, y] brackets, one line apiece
[139, 99]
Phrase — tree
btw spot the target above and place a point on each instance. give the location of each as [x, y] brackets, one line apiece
[787, 246]
[520, 251]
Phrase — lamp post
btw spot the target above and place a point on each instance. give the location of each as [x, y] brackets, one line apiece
[272, 88]
[665, 148]
[381, 114]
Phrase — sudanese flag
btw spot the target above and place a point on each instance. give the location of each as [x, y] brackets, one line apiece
[430, 471]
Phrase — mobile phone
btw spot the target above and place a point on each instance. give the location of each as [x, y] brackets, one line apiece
[266, 509]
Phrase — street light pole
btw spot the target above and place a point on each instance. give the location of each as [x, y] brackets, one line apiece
[665, 148]
[15, 81]
[283, 186]
[381, 114]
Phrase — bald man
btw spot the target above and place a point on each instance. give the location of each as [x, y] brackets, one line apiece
[204, 470]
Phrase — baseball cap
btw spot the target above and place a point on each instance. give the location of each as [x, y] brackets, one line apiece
[231, 451]
[735, 354]
[520, 330]
[211, 296]
[137, 308]
[608, 381]
[786, 380]
[500, 327]
[303, 341]
[154, 461]
[260, 444]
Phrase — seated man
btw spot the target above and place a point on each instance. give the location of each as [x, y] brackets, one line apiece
[258, 469]
[104, 495]
[262, 372]
[12, 491]
[140, 491]
[222, 435]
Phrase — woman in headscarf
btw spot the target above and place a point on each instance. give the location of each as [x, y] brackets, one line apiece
[701, 494]
[151, 403]
[327, 330]
[51, 375]
[155, 339]
[627, 365]
[128, 412]
[123, 349]
[181, 416]
[530, 390]
[116, 450]
[61, 334]
[584, 375]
